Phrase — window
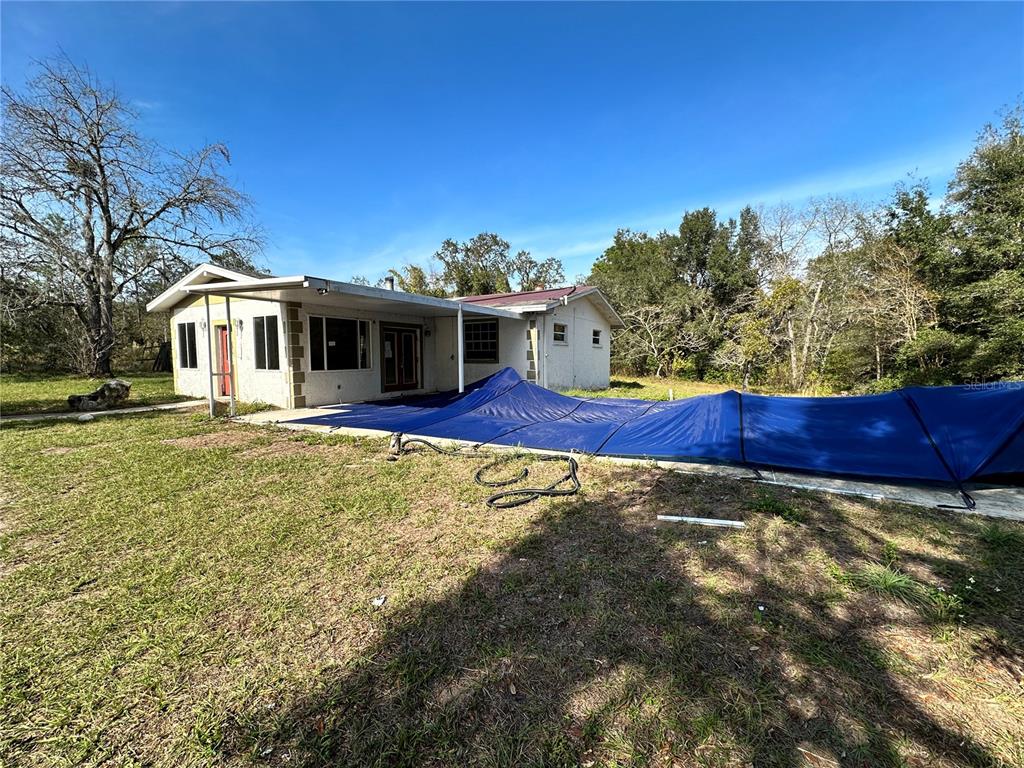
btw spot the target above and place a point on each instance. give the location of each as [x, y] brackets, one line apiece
[560, 333]
[187, 346]
[265, 338]
[596, 338]
[336, 344]
[481, 337]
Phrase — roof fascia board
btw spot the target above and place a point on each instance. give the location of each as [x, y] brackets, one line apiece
[170, 296]
[604, 306]
[245, 286]
[324, 287]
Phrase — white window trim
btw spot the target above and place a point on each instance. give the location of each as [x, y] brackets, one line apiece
[497, 340]
[599, 344]
[280, 345]
[565, 333]
[325, 369]
[184, 352]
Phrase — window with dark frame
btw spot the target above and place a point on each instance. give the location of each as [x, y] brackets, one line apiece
[597, 337]
[481, 341]
[187, 357]
[560, 333]
[338, 344]
[266, 342]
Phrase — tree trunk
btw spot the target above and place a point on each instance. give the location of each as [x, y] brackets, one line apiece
[792, 352]
[98, 324]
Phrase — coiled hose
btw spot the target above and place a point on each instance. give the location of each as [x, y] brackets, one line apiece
[516, 497]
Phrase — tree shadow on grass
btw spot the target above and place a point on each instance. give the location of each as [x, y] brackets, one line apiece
[597, 639]
[625, 384]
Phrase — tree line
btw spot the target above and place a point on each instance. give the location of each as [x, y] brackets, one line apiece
[836, 295]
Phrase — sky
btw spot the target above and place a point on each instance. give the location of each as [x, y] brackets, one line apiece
[366, 134]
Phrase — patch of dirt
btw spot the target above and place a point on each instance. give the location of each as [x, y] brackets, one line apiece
[56, 450]
[219, 439]
[286, 448]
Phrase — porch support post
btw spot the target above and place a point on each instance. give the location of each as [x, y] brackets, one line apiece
[461, 353]
[209, 349]
[542, 351]
[231, 357]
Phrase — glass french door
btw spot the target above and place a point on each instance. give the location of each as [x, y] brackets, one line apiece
[402, 353]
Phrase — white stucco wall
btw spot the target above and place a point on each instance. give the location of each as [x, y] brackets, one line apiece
[512, 346]
[252, 385]
[327, 387]
[578, 363]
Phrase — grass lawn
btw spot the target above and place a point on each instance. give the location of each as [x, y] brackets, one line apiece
[651, 388]
[176, 591]
[47, 392]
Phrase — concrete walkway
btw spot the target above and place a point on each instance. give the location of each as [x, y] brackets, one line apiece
[113, 412]
[992, 501]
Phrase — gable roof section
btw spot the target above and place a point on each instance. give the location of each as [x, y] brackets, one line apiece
[547, 299]
[201, 275]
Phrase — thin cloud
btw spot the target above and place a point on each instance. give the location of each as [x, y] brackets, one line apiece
[577, 244]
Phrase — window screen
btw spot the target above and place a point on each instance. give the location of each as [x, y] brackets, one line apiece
[481, 337]
[265, 339]
[187, 346]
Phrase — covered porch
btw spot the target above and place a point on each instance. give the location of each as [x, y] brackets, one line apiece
[344, 342]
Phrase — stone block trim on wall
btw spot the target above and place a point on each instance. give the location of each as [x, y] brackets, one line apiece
[296, 354]
[531, 352]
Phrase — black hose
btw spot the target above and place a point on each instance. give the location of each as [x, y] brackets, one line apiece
[515, 497]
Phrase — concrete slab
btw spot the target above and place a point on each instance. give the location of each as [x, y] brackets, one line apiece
[992, 501]
[97, 414]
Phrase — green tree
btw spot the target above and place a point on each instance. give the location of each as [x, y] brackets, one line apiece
[532, 275]
[415, 279]
[981, 281]
[638, 274]
[484, 264]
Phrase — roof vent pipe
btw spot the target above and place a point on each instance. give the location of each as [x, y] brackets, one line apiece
[389, 283]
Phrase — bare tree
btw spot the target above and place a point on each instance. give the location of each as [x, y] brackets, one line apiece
[787, 232]
[89, 207]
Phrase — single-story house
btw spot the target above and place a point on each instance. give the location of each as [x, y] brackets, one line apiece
[304, 341]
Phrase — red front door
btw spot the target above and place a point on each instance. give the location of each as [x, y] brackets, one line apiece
[224, 361]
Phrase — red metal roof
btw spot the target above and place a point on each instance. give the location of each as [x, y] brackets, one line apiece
[524, 297]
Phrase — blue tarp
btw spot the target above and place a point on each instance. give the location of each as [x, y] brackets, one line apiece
[944, 434]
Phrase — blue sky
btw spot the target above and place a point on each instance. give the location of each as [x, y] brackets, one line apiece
[368, 133]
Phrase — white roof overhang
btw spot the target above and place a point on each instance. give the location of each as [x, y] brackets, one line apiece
[203, 274]
[317, 290]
